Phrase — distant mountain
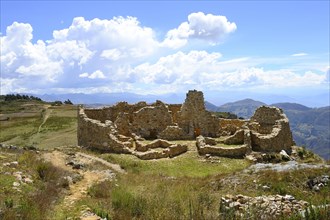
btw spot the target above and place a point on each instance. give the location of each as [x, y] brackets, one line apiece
[211, 107]
[244, 108]
[291, 106]
[112, 98]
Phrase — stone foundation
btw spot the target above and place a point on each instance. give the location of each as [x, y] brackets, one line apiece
[234, 152]
[148, 152]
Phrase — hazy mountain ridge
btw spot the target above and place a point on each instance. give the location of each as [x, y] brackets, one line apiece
[310, 126]
[244, 108]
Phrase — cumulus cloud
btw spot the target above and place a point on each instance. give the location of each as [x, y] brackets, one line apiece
[207, 70]
[20, 58]
[208, 27]
[118, 33]
[109, 46]
[122, 55]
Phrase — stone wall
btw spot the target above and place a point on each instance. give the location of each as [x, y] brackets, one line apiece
[149, 121]
[230, 126]
[173, 133]
[234, 152]
[270, 130]
[194, 119]
[174, 109]
[149, 151]
[93, 133]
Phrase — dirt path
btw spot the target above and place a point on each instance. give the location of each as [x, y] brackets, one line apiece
[45, 116]
[89, 177]
[112, 166]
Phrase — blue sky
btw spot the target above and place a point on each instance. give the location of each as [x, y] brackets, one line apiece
[270, 47]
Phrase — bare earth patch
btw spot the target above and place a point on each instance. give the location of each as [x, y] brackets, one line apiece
[90, 176]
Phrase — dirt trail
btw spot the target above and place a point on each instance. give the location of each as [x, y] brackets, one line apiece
[113, 166]
[45, 116]
[90, 177]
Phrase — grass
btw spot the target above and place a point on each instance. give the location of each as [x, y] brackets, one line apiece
[30, 201]
[186, 165]
[22, 129]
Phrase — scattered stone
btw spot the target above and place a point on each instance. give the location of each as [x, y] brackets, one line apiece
[11, 164]
[265, 187]
[316, 188]
[77, 166]
[317, 183]
[267, 206]
[285, 155]
[27, 180]
[16, 184]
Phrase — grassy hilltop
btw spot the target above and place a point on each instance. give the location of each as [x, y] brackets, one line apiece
[42, 184]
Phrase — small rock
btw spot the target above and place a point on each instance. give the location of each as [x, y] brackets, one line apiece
[16, 184]
[27, 180]
[68, 179]
[265, 187]
[316, 188]
[77, 166]
[13, 164]
[235, 205]
[285, 155]
[288, 197]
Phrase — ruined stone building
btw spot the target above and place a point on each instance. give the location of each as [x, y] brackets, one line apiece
[120, 129]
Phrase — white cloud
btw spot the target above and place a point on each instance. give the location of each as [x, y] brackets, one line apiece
[122, 55]
[20, 58]
[327, 75]
[113, 54]
[95, 75]
[299, 54]
[207, 70]
[119, 32]
[210, 28]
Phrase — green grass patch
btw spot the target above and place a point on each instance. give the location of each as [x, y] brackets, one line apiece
[19, 128]
[56, 123]
[188, 164]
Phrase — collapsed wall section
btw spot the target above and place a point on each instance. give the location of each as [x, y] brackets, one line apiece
[270, 130]
[204, 147]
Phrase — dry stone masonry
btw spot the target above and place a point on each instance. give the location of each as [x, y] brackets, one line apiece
[121, 127]
[261, 207]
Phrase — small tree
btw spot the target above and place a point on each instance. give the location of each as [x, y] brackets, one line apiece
[68, 102]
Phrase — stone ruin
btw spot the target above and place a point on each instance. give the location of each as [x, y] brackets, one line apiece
[122, 128]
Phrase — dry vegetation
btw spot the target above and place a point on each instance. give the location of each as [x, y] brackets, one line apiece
[186, 187]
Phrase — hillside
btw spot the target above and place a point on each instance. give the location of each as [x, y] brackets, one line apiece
[211, 107]
[310, 127]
